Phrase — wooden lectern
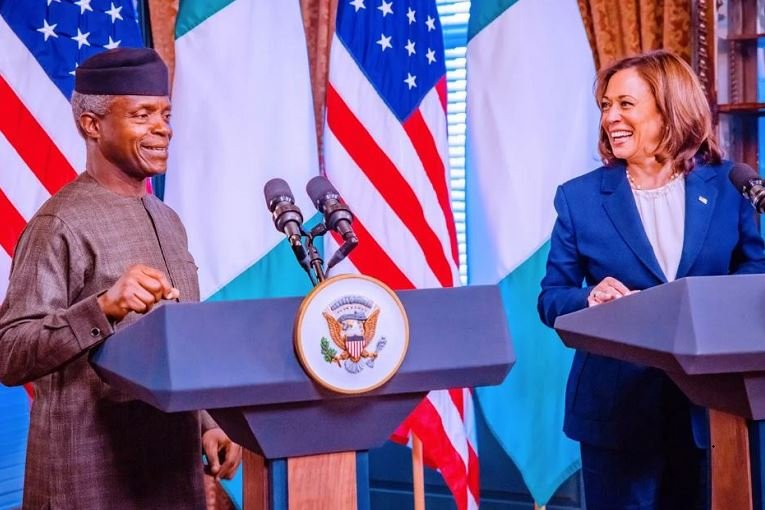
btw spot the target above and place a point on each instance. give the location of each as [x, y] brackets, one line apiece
[708, 334]
[236, 360]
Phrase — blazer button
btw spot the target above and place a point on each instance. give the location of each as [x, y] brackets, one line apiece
[95, 332]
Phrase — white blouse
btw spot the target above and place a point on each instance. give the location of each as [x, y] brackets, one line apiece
[662, 211]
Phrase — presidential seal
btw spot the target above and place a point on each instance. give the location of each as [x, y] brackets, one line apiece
[351, 334]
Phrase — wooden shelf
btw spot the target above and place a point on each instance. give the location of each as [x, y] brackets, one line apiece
[743, 37]
[743, 108]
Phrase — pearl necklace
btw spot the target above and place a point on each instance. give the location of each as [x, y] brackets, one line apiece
[635, 185]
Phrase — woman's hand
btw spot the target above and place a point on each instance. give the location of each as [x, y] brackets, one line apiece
[607, 290]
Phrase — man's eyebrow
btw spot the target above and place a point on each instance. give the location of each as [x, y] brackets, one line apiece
[148, 106]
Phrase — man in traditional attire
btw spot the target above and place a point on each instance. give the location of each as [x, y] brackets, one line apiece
[97, 255]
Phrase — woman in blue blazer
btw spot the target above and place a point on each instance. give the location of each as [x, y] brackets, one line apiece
[661, 208]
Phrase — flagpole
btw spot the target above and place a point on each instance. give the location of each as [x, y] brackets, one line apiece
[418, 474]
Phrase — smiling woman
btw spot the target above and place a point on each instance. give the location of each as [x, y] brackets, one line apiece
[660, 208]
[631, 121]
[655, 118]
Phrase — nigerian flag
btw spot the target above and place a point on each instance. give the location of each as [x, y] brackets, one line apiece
[532, 124]
[242, 114]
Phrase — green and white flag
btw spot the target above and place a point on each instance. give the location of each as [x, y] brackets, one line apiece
[242, 114]
[532, 124]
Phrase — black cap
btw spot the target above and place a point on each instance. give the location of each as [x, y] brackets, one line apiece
[123, 72]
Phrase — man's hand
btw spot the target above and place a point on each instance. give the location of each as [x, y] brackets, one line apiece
[138, 290]
[607, 290]
[218, 447]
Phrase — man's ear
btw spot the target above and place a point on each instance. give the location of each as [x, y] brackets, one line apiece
[90, 125]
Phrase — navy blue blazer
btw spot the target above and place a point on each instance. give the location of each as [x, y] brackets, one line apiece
[598, 233]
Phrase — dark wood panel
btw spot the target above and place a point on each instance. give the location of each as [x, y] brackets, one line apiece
[743, 108]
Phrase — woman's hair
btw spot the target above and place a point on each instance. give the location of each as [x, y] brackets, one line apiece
[681, 103]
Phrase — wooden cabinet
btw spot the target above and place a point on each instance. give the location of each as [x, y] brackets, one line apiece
[729, 50]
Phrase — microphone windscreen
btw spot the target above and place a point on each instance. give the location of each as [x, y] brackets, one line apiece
[276, 190]
[318, 188]
[741, 174]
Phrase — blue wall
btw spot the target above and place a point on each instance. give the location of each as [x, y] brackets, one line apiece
[14, 423]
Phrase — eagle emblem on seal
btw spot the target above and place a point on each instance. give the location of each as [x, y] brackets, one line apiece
[352, 323]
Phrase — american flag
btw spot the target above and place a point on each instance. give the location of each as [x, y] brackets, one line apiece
[386, 152]
[41, 44]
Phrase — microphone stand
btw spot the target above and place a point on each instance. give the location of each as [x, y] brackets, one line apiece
[315, 260]
[316, 271]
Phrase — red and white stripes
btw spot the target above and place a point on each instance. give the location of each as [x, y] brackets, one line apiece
[446, 421]
[39, 145]
[393, 175]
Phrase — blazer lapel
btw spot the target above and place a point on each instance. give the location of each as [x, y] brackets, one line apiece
[700, 198]
[621, 209]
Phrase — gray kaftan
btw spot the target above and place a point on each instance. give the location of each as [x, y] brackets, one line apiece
[90, 447]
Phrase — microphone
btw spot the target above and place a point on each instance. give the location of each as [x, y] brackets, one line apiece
[287, 217]
[337, 215]
[750, 184]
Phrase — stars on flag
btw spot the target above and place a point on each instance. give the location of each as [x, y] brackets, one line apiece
[410, 15]
[112, 44]
[409, 47]
[82, 39]
[410, 81]
[114, 12]
[47, 30]
[384, 42]
[386, 8]
[84, 5]
[65, 32]
[399, 46]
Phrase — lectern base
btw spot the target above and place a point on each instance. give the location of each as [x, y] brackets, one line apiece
[730, 467]
[322, 482]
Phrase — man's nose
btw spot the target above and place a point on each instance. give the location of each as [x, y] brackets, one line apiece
[162, 127]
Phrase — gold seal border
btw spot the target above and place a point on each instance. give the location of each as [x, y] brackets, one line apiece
[299, 323]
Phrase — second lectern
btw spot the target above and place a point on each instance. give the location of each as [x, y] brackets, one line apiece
[708, 334]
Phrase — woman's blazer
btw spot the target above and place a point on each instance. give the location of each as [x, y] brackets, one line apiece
[599, 233]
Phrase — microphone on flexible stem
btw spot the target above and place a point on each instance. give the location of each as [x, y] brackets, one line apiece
[287, 217]
[750, 184]
[337, 215]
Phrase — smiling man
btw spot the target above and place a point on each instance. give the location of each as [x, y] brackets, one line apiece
[96, 256]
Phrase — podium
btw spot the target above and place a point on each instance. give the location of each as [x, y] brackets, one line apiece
[236, 360]
[708, 334]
